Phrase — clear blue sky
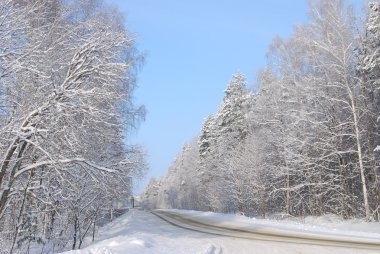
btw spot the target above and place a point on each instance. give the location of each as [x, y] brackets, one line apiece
[192, 49]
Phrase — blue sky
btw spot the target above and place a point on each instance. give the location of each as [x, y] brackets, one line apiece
[192, 49]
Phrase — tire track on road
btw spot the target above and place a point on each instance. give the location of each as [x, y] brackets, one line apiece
[263, 234]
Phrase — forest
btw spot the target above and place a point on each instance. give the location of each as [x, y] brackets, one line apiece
[305, 142]
[67, 75]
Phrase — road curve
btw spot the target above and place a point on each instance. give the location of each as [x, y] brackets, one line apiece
[240, 230]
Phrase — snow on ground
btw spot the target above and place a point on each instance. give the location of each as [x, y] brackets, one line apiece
[139, 232]
[327, 224]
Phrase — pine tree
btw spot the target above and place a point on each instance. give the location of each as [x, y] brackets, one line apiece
[232, 126]
[221, 135]
[207, 137]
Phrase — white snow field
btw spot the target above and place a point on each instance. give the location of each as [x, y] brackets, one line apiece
[139, 232]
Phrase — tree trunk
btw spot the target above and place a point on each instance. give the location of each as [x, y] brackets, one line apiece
[93, 230]
[20, 213]
[360, 156]
[375, 181]
[287, 206]
[75, 236]
[5, 166]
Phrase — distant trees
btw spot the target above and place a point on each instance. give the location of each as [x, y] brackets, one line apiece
[66, 83]
[181, 187]
[305, 144]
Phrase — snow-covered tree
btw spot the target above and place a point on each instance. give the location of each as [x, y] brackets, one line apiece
[232, 115]
[305, 143]
[66, 82]
[181, 187]
[220, 135]
[149, 197]
[368, 69]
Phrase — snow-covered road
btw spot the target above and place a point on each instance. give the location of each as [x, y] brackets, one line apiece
[139, 232]
[238, 226]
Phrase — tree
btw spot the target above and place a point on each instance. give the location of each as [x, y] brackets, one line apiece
[304, 144]
[221, 134]
[368, 70]
[66, 82]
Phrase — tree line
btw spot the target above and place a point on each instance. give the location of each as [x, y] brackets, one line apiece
[67, 76]
[306, 143]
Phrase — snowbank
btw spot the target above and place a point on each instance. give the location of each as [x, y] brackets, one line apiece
[140, 232]
[327, 224]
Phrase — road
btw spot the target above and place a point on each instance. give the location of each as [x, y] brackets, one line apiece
[140, 232]
[237, 230]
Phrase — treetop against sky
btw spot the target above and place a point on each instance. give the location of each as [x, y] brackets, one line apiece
[192, 48]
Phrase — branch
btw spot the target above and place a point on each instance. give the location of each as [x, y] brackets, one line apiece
[64, 161]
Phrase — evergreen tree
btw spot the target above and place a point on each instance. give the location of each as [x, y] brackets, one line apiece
[232, 125]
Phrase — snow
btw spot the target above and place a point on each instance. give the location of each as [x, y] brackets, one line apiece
[139, 232]
[327, 224]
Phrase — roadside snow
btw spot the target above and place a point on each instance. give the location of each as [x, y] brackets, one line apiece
[327, 224]
[140, 232]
